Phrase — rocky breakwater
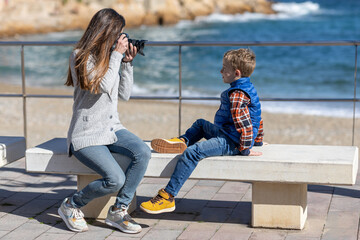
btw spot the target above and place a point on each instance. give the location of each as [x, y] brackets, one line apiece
[33, 16]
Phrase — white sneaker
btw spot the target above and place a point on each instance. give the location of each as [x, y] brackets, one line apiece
[121, 220]
[73, 217]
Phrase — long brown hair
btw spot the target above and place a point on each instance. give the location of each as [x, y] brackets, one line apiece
[103, 30]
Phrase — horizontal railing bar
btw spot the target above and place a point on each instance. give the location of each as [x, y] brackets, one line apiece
[311, 99]
[48, 96]
[11, 95]
[37, 43]
[195, 98]
[285, 99]
[261, 99]
[255, 43]
[194, 43]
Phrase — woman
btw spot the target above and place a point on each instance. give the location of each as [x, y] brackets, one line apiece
[95, 129]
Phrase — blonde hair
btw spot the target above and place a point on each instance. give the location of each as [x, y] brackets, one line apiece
[241, 59]
[102, 32]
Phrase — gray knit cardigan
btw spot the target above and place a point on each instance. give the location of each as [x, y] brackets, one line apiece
[95, 117]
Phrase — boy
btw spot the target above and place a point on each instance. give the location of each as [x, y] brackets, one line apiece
[237, 127]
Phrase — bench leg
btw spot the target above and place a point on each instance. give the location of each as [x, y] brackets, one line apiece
[11, 149]
[279, 205]
[99, 207]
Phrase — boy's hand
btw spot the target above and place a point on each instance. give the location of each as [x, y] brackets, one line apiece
[252, 153]
[260, 144]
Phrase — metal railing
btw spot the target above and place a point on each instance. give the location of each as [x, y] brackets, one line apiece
[180, 98]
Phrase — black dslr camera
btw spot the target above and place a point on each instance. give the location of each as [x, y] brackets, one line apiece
[139, 44]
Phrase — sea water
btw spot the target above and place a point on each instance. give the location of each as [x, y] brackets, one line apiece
[281, 71]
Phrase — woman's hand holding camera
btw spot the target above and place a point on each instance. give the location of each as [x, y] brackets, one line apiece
[122, 44]
[130, 53]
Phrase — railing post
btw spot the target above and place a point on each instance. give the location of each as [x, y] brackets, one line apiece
[354, 105]
[180, 93]
[23, 87]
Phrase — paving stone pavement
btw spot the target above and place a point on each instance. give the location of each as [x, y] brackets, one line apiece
[205, 210]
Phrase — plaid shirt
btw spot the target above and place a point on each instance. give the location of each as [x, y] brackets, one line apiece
[241, 117]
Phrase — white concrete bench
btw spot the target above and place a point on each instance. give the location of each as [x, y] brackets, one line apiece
[11, 149]
[280, 176]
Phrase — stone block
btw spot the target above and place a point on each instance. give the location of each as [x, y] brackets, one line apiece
[27, 231]
[9, 222]
[198, 231]
[11, 149]
[57, 236]
[99, 207]
[232, 231]
[162, 234]
[279, 205]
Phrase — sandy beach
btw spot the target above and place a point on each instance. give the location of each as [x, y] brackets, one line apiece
[49, 118]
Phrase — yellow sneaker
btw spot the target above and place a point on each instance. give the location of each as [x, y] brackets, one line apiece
[174, 145]
[161, 203]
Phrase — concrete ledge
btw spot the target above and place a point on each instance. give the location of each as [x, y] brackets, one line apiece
[52, 157]
[310, 164]
[11, 149]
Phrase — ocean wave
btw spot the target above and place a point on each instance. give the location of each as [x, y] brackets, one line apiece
[284, 11]
[333, 109]
[293, 9]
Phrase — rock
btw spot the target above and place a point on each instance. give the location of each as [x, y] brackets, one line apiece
[161, 12]
[134, 13]
[233, 7]
[194, 8]
[33, 16]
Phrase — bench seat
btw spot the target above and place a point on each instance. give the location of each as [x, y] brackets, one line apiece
[280, 176]
[11, 148]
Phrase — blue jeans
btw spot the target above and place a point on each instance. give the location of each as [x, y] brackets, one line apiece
[216, 144]
[99, 159]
